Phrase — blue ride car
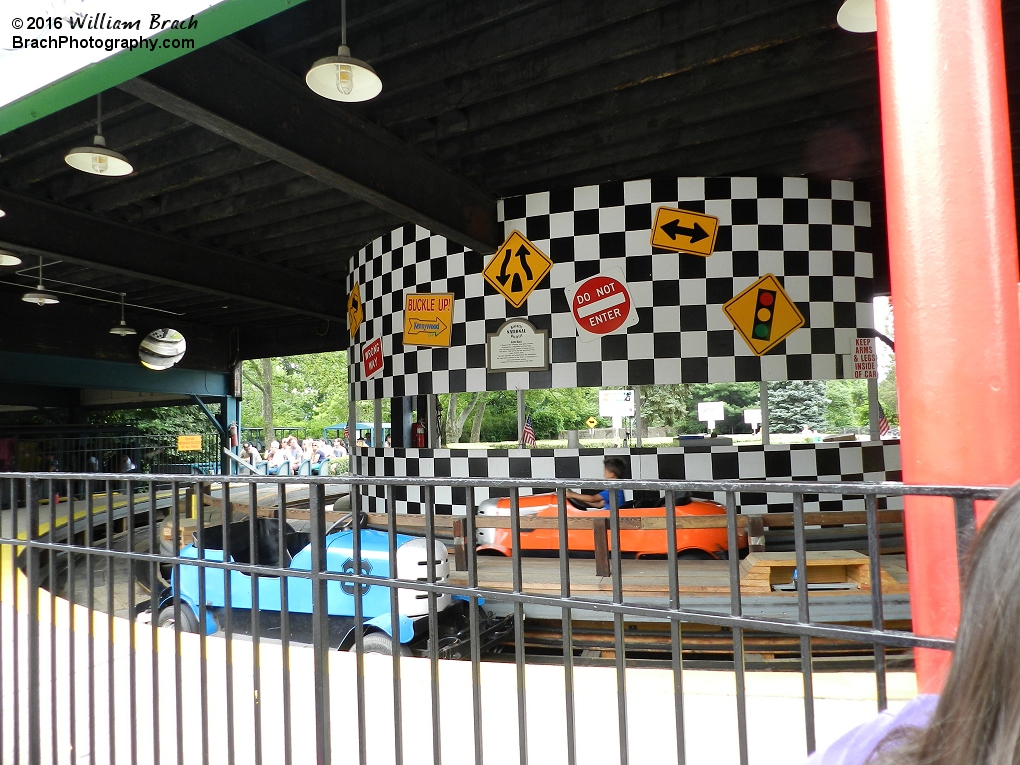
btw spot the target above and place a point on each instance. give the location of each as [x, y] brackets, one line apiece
[266, 544]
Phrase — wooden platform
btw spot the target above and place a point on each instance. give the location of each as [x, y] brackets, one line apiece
[650, 578]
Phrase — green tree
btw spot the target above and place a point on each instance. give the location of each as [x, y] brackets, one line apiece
[796, 404]
[887, 397]
[846, 404]
[308, 391]
[665, 405]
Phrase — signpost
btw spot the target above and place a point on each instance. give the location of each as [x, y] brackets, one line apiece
[189, 443]
[517, 346]
[711, 412]
[752, 417]
[764, 315]
[684, 231]
[372, 359]
[428, 318]
[865, 358]
[516, 269]
[616, 403]
[601, 305]
[355, 310]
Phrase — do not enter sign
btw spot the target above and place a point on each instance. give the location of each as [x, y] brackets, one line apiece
[602, 305]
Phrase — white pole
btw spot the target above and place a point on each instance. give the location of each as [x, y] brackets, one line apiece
[763, 390]
[873, 408]
[520, 417]
[637, 413]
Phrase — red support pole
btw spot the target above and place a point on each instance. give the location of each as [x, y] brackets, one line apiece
[953, 259]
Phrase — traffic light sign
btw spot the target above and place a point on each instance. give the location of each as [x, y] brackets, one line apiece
[764, 315]
[764, 312]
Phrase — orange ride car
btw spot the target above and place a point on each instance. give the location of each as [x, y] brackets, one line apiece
[641, 543]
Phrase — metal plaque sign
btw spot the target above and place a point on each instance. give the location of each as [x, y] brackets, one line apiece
[517, 347]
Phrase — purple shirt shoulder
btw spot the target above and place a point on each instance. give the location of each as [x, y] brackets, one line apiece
[854, 747]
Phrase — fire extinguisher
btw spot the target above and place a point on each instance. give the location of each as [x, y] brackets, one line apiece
[232, 430]
[418, 435]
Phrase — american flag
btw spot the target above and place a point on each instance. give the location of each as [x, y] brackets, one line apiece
[528, 436]
[883, 423]
[347, 433]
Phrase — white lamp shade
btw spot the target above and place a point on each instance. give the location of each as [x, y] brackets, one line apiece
[122, 329]
[857, 16]
[343, 78]
[40, 298]
[2, 213]
[98, 160]
[162, 348]
[9, 259]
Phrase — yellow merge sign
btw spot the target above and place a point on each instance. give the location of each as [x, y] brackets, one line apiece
[764, 315]
[428, 318]
[189, 443]
[516, 269]
[684, 231]
[355, 310]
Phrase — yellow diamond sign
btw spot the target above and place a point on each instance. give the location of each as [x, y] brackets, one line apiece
[764, 315]
[591, 422]
[516, 269]
[355, 310]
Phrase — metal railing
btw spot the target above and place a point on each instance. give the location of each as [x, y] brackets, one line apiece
[68, 549]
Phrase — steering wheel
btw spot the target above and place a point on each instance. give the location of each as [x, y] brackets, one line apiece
[347, 522]
[580, 504]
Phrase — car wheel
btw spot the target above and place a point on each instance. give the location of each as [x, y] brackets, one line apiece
[694, 555]
[380, 642]
[167, 619]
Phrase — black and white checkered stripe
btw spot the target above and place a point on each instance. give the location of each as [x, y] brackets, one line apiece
[815, 236]
[837, 461]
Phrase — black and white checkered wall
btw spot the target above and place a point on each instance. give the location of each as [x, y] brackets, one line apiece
[838, 461]
[813, 235]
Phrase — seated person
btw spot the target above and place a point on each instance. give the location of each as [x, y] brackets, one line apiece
[974, 720]
[613, 468]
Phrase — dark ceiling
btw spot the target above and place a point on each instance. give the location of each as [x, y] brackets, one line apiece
[251, 193]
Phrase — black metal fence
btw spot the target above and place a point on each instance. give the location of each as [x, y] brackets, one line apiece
[78, 680]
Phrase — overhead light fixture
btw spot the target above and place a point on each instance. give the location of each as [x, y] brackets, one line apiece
[2, 213]
[857, 16]
[122, 329]
[97, 159]
[9, 259]
[40, 296]
[342, 77]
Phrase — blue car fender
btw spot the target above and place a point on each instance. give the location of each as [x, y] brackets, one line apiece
[166, 598]
[383, 622]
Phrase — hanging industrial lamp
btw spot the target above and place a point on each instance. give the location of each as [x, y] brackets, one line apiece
[9, 259]
[40, 296]
[97, 159]
[122, 329]
[341, 77]
[857, 16]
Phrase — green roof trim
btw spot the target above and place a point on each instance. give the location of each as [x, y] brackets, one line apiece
[213, 24]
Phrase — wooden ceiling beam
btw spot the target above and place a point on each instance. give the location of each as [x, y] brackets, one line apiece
[290, 228]
[658, 86]
[604, 60]
[268, 111]
[244, 210]
[32, 226]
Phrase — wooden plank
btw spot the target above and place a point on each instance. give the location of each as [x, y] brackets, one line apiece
[600, 529]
